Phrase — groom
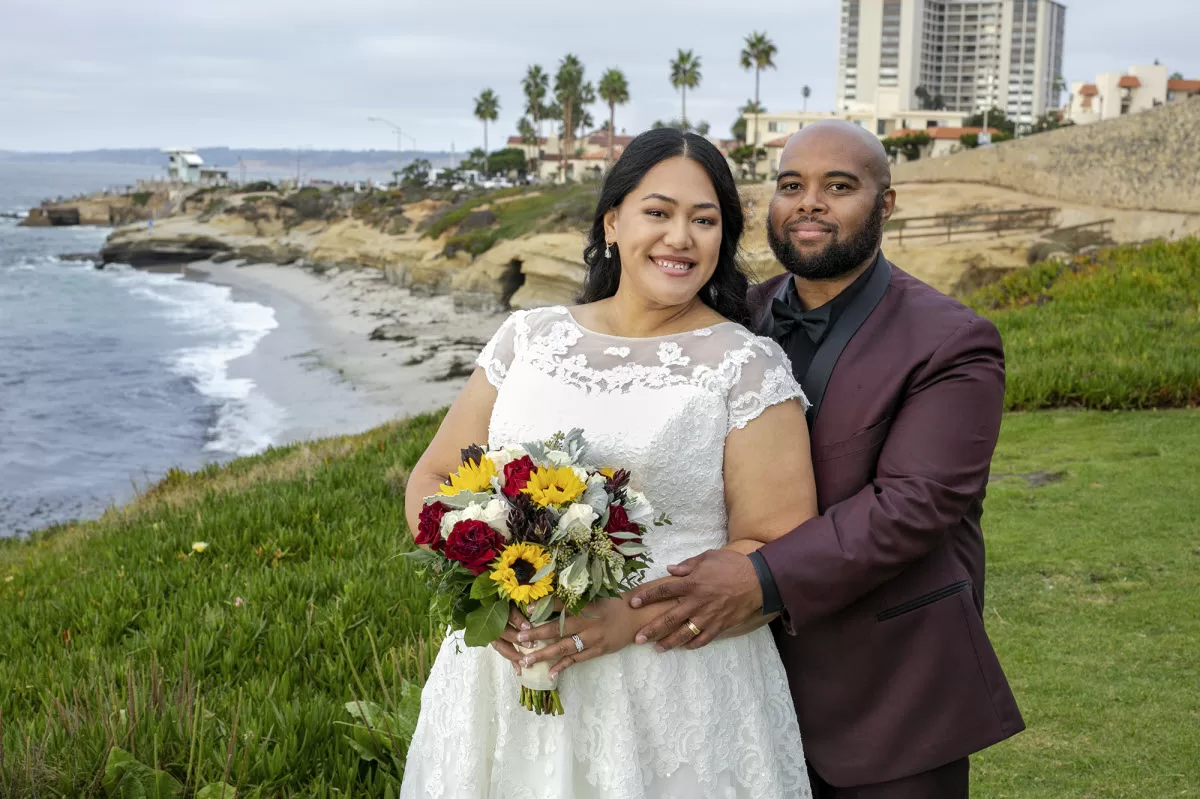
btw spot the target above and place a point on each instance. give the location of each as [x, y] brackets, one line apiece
[881, 596]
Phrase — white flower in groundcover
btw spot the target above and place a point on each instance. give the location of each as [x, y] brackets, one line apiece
[578, 517]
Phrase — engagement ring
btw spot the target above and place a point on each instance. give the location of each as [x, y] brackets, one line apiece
[578, 643]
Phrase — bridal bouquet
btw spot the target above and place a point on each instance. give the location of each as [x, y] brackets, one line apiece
[536, 526]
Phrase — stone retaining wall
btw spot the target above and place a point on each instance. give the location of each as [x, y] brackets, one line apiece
[1147, 161]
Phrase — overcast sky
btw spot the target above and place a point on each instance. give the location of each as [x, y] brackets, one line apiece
[84, 74]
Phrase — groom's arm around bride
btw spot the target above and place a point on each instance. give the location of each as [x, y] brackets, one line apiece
[882, 594]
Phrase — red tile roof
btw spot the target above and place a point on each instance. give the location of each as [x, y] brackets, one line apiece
[1088, 90]
[516, 141]
[1183, 86]
[782, 140]
[1129, 82]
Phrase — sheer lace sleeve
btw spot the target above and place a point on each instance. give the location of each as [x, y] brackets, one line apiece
[765, 380]
[497, 356]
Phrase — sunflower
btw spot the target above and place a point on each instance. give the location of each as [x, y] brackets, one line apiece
[550, 486]
[473, 476]
[518, 565]
[607, 472]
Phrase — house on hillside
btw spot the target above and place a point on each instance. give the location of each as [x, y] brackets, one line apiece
[184, 165]
[1118, 94]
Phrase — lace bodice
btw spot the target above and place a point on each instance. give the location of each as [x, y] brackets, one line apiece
[660, 407]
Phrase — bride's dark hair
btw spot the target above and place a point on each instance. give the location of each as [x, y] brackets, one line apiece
[725, 291]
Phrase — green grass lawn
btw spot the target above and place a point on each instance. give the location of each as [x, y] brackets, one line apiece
[1094, 570]
[1093, 603]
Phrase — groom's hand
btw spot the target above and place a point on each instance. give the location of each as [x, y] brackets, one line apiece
[719, 591]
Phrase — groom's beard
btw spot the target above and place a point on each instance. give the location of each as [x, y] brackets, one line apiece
[839, 257]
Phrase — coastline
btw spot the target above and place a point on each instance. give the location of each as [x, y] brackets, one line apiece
[321, 363]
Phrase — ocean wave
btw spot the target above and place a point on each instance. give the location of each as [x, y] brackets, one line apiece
[246, 422]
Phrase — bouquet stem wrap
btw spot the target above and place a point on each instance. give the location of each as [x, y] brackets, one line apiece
[538, 691]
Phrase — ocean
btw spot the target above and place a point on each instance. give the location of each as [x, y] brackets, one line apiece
[110, 377]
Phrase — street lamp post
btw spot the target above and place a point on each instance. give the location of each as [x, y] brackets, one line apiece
[399, 142]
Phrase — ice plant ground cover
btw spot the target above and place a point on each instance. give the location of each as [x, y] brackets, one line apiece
[292, 649]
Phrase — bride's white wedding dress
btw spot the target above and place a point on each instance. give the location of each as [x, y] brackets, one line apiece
[717, 722]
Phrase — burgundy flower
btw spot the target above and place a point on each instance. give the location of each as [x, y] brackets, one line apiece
[429, 531]
[473, 544]
[516, 475]
[618, 522]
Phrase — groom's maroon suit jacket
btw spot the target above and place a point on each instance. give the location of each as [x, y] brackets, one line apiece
[882, 636]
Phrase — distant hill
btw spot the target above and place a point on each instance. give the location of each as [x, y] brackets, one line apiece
[227, 157]
[1148, 161]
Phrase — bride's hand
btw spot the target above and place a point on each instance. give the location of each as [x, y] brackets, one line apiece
[604, 626]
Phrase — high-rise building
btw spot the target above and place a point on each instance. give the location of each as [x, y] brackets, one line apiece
[960, 55]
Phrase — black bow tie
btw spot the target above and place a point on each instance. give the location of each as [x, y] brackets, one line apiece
[785, 319]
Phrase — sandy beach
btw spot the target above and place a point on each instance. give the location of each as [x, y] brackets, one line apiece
[351, 350]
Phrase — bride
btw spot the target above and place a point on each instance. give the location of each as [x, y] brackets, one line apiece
[657, 368]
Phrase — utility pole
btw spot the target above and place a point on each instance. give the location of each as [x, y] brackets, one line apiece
[399, 141]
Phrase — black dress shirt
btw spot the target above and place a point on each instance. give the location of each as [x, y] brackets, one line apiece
[800, 333]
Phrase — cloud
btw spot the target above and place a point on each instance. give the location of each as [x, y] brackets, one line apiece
[78, 74]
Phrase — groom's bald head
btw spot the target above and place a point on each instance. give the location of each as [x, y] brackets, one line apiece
[858, 146]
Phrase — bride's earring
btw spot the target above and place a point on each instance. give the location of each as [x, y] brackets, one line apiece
[608, 249]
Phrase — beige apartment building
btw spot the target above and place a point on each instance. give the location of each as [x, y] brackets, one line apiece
[896, 55]
[1116, 94]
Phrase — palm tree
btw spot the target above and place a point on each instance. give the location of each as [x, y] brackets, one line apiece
[487, 109]
[535, 85]
[614, 90]
[758, 54]
[806, 92]
[569, 91]
[685, 74]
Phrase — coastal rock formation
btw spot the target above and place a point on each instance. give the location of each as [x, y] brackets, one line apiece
[108, 210]
[545, 269]
[128, 247]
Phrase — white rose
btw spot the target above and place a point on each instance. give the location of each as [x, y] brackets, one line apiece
[597, 480]
[556, 457]
[578, 516]
[449, 520]
[503, 457]
[637, 508]
[495, 515]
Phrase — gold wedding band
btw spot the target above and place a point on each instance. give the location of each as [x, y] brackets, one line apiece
[695, 630]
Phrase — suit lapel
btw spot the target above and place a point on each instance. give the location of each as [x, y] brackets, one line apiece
[816, 380]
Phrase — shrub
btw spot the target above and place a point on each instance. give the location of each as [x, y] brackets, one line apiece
[1116, 330]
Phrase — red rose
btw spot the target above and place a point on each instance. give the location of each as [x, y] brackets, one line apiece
[618, 522]
[516, 476]
[473, 544]
[429, 531]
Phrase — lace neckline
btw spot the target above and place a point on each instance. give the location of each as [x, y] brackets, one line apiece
[701, 331]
